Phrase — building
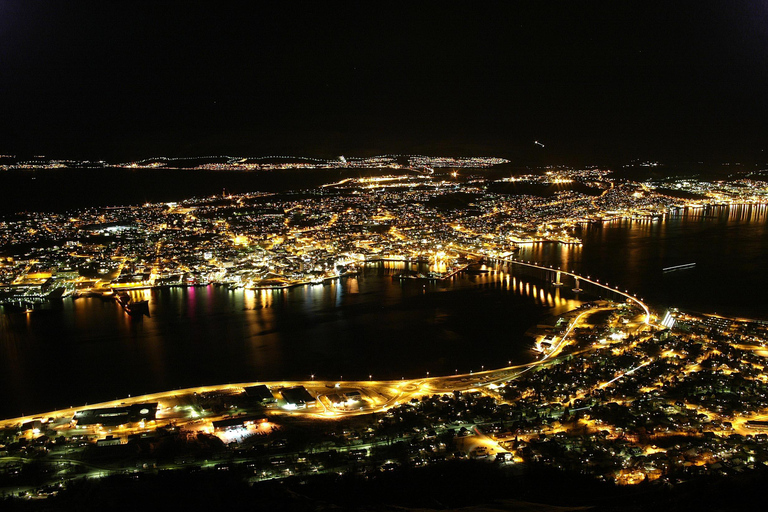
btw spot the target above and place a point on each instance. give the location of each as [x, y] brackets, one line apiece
[238, 422]
[260, 393]
[114, 416]
[297, 397]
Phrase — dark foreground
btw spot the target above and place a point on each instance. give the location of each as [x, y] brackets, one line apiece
[450, 486]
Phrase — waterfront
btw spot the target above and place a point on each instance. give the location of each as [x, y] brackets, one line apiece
[306, 258]
[729, 245]
[90, 350]
[356, 327]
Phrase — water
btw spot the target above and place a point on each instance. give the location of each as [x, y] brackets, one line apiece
[56, 190]
[89, 350]
[728, 244]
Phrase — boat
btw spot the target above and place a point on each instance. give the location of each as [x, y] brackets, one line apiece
[138, 308]
[133, 308]
[685, 266]
[417, 277]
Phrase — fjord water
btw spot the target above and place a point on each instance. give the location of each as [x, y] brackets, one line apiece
[57, 190]
[728, 244]
[358, 327]
[87, 350]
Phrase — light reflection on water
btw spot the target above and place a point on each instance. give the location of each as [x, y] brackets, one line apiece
[89, 349]
[728, 244]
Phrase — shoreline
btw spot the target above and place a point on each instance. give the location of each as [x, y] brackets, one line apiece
[220, 387]
[429, 385]
[473, 375]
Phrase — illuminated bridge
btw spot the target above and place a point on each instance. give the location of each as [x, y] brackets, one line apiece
[558, 274]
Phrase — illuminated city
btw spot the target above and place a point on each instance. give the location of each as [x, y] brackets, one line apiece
[614, 378]
[383, 257]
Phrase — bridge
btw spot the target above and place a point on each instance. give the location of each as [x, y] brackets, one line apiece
[576, 277]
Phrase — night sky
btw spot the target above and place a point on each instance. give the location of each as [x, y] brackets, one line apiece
[595, 82]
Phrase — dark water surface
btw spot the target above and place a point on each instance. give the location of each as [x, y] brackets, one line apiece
[57, 190]
[89, 350]
[728, 244]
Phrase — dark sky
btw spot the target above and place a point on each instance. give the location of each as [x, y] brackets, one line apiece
[593, 81]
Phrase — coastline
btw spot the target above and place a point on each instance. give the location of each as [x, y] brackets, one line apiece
[553, 353]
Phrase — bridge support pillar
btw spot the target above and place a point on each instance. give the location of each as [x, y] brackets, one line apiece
[557, 280]
[576, 288]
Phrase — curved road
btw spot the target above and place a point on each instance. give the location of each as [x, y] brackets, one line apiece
[381, 395]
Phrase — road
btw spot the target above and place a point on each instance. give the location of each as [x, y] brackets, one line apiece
[376, 396]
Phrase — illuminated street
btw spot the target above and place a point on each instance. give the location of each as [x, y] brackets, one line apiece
[468, 257]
